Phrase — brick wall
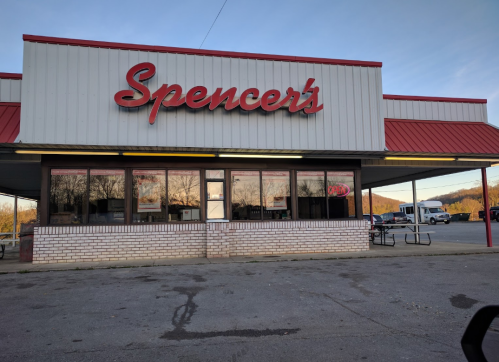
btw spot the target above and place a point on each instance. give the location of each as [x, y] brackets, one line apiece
[102, 243]
[66, 244]
[295, 237]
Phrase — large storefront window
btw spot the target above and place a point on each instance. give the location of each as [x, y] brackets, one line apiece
[184, 195]
[246, 195]
[276, 195]
[68, 197]
[78, 196]
[340, 193]
[311, 195]
[107, 197]
[149, 196]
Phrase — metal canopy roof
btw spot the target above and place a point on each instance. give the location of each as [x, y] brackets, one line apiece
[10, 118]
[441, 137]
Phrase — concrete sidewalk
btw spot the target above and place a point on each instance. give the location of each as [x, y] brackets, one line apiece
[11, 264]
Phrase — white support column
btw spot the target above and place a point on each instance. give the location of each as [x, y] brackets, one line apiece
[14, 231]
[416, 211]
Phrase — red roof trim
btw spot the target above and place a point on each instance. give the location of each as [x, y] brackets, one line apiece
[11, 76]
[214, 53]
[433, 99]
[431, 121]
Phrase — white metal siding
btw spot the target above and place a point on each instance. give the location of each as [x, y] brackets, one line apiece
[437, 111]
[10, 90]
[68, 98]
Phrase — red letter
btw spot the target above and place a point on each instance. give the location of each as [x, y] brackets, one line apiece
[270, 104]
[313, 100]
[175, 101]
[194, 97]
[159, 97]
[293, 107]
[124, 98]
[218, 97]
[242, 101]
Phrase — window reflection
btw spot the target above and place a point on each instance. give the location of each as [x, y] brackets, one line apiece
[246, 195]
[149, 196]
[107, 197]
[311, 195]
[184, 195]
[340, 192]
[68, 196]
[276, 195]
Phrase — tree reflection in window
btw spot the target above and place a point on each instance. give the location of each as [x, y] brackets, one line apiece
[184, 195]
[341, 196]
[311, 195]
[68, 196]
[107, 196]
[149, 196]
[276, 195]
[246, 195]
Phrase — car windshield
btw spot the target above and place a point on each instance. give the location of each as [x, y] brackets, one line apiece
[434, 210]
[399, 214]
[377, 218]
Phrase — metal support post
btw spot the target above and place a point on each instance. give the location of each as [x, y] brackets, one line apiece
[486, 207]
[371, 207]
[416, 211]
[14, 231]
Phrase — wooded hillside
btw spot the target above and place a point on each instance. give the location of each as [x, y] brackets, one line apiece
[461, 201]
[468, 200]
[24, 215]
[381, 204]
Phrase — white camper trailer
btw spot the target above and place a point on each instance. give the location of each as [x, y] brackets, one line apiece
[429, 212]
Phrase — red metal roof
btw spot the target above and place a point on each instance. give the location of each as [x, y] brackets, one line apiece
[417, 136]
[10, 120]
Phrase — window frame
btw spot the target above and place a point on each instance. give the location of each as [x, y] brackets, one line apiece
[326, 170]
[46, 173]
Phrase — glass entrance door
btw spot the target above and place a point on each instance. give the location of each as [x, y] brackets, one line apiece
[215, 194]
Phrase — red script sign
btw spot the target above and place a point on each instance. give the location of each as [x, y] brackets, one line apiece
[197, 97]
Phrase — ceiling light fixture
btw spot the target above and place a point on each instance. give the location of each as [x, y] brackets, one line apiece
[420, 158]
[74, 153]
[168, 154]
[479, 159]
[259, 156]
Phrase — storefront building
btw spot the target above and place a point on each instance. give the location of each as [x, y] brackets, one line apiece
[153, 152]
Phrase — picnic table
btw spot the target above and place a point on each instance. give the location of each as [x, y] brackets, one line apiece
[382, 229]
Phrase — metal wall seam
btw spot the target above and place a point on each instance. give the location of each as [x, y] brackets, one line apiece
[435, 111]
[10, 90]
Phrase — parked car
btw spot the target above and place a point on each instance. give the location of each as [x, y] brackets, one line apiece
[395, 218]
[378, 220]
[494, 214]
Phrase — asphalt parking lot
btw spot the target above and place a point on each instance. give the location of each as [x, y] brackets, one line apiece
[463, 232]
[380, 309]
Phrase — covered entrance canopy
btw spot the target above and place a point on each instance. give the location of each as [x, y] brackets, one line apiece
[419, 149]
[415, 150]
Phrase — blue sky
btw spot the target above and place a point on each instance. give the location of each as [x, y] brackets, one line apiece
[447, 48]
